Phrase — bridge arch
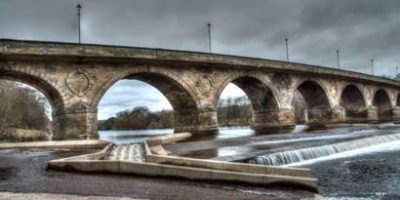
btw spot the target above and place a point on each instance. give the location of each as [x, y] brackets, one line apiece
[180, 96]
[318, 104]
[381, 101]
[42, 85]
[263, 99]
[243, 80]
[353, 101]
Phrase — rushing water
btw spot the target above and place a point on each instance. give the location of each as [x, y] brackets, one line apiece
[132, 152]
[304, 154]
[350, 163]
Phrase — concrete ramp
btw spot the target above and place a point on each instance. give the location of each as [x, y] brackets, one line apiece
[157, 162]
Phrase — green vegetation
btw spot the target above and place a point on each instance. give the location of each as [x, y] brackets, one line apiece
[14, 134]
[21, 111]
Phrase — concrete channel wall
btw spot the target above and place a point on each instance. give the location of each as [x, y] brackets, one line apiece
[70, 144]
[195, 169]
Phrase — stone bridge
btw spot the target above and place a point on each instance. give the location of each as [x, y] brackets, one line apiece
[74, 77]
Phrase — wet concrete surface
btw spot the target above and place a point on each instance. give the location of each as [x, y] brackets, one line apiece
[46, 196]
[25, 171]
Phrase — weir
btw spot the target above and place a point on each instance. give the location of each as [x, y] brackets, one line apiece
[309, 153]
[151, 159]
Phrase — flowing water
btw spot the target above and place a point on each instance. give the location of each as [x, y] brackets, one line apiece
[350, 162]
[132, 152]
[304, 154]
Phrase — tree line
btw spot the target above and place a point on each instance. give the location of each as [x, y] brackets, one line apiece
[235, 112]
[231, 112]
[139, 118]
[21, 108]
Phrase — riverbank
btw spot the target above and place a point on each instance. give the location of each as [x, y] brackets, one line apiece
[21, 135]
[69, 144]
[45, 196]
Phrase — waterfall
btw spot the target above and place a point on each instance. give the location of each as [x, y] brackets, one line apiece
[132, 152]
[298, 155]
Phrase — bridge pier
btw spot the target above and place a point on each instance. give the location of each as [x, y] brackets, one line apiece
[338, 114]
[75, 126]
[319, 115]
[202, 122]
[372, 113]
[78, 121]
[272, 120]
[396, 113]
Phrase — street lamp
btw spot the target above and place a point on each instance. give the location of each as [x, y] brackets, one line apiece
[338, 58]
[79, 7]
[287, 49]
[209, 37]
[372, 67]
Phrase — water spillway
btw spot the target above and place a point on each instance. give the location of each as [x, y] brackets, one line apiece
[132, 152]
[309, 153]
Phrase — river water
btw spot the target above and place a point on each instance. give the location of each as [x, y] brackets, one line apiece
[350, 162]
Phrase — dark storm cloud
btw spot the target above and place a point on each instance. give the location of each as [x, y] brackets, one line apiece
[361, 29]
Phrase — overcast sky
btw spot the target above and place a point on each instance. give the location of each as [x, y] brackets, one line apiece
[361, 29]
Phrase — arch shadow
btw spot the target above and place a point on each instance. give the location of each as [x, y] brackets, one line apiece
[353, 101]
[317, 105]
[382, 104]
[262, 99]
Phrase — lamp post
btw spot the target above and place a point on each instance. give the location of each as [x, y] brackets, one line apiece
[338, 58]
[79, 7]
[372, 67]
[287, 49]
[209, 37]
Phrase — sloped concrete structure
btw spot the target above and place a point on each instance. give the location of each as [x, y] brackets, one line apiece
[157, 162]
[74, 77]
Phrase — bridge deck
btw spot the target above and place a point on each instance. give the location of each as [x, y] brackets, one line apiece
[13, 49]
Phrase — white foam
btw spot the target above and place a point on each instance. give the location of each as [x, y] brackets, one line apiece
[319, 152]
[379, 148]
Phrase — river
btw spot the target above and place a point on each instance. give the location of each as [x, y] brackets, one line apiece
[370, 170]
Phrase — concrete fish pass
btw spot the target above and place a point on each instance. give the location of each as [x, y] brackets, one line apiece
[151, 159]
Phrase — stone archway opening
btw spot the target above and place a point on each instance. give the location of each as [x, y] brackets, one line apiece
[257, 107]
[352, 100]
[382, 104]
[314, 103]
[299, 108]
[25, 112]
[147, 101]
[234, 107]
[398, 100]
